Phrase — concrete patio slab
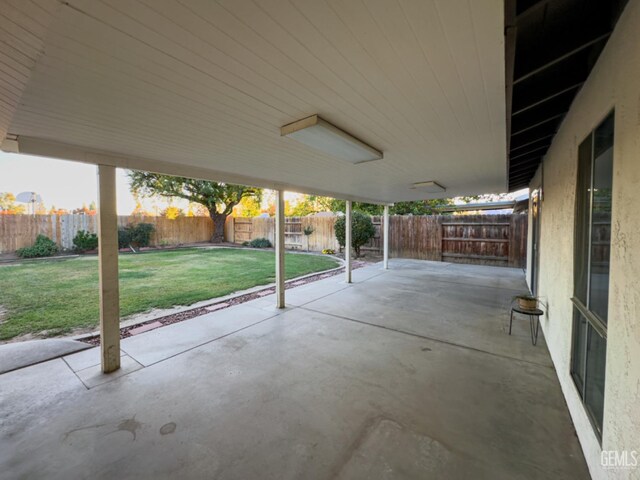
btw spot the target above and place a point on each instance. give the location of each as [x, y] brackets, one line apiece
[304, 394]
[85, 359]
[171, 340]
[455, 273]
[22, 354]
[93, 376]
[472, 314]
[303, 294]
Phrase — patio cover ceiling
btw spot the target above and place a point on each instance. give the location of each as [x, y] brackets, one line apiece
[555, 44]
[201, 88]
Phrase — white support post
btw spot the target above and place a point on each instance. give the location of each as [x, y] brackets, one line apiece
[385, 237]
[108, 265]
[347, 242]
[279, 241]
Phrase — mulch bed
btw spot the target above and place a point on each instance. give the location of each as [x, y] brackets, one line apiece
[154, 323]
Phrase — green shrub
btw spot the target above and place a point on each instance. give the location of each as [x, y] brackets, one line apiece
[84, 241]
[124, 238]
[260, 243]
[138, 235]
[141, 234]
[44, 247]
[362, 230]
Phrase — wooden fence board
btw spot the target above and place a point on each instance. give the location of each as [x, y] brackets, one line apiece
[17, 231]
[489, 239]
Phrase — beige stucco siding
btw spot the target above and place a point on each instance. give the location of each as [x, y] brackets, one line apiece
[614, 83]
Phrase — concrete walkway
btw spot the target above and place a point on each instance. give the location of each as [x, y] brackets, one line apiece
[407, 373]
[23, 354]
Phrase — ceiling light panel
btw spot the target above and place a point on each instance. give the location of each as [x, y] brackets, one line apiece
[317, 133]
[429, 187]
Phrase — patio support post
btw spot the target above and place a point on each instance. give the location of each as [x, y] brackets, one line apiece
[385, 237]
[108, 266]
[279, 249]
[347, 242]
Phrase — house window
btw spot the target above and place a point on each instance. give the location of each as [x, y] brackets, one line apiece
[591, 268]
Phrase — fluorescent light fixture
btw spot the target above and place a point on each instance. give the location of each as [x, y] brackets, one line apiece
[10, 144]
[429, 187]
[317, 133]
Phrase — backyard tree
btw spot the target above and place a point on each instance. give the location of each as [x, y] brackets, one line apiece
[362, 230]
[8, 205]
[416, 207]
[218, 198]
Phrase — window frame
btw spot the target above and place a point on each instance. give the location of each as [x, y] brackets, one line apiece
[592, 319]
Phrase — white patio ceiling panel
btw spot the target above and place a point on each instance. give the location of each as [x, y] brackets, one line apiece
[207, 85]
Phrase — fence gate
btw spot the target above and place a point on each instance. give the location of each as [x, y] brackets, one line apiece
[483, 243]
[242, 229]
[293, 235]
[375, 243]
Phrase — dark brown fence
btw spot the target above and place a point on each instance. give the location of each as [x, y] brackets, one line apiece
[499, 240]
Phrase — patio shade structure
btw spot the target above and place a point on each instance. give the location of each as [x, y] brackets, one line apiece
[442, 97]
[216, 90]
[202, 89]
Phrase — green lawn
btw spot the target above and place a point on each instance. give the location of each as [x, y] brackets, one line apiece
[58, 296]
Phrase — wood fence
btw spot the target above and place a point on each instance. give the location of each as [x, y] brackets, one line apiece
[480, 239]
[499, 240]
[239, 230]
[17, 231]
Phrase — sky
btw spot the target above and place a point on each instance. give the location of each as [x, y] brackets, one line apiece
[69, 185]
[64, 184]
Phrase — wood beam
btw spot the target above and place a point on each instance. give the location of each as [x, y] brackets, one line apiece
[108, 269]
[64, 151]
[546, 120]
[385, 238]
[525, 161]
[533, 8]
[523, 170]
[530, 151]
[561, 58]
[532, 142]
[547, 98]
[524, 176]
[279, 240]
[347, 241]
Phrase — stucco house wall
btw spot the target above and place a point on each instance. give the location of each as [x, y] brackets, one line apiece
[613, 84]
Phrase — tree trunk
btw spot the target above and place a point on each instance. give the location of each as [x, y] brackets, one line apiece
[219, 220]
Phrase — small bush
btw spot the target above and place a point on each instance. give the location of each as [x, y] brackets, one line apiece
[135, 235]
[141, 234]
[124, 238]
[84, 241]
[328, 251]
[260, 243]
[362, 230]
[44, 247]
